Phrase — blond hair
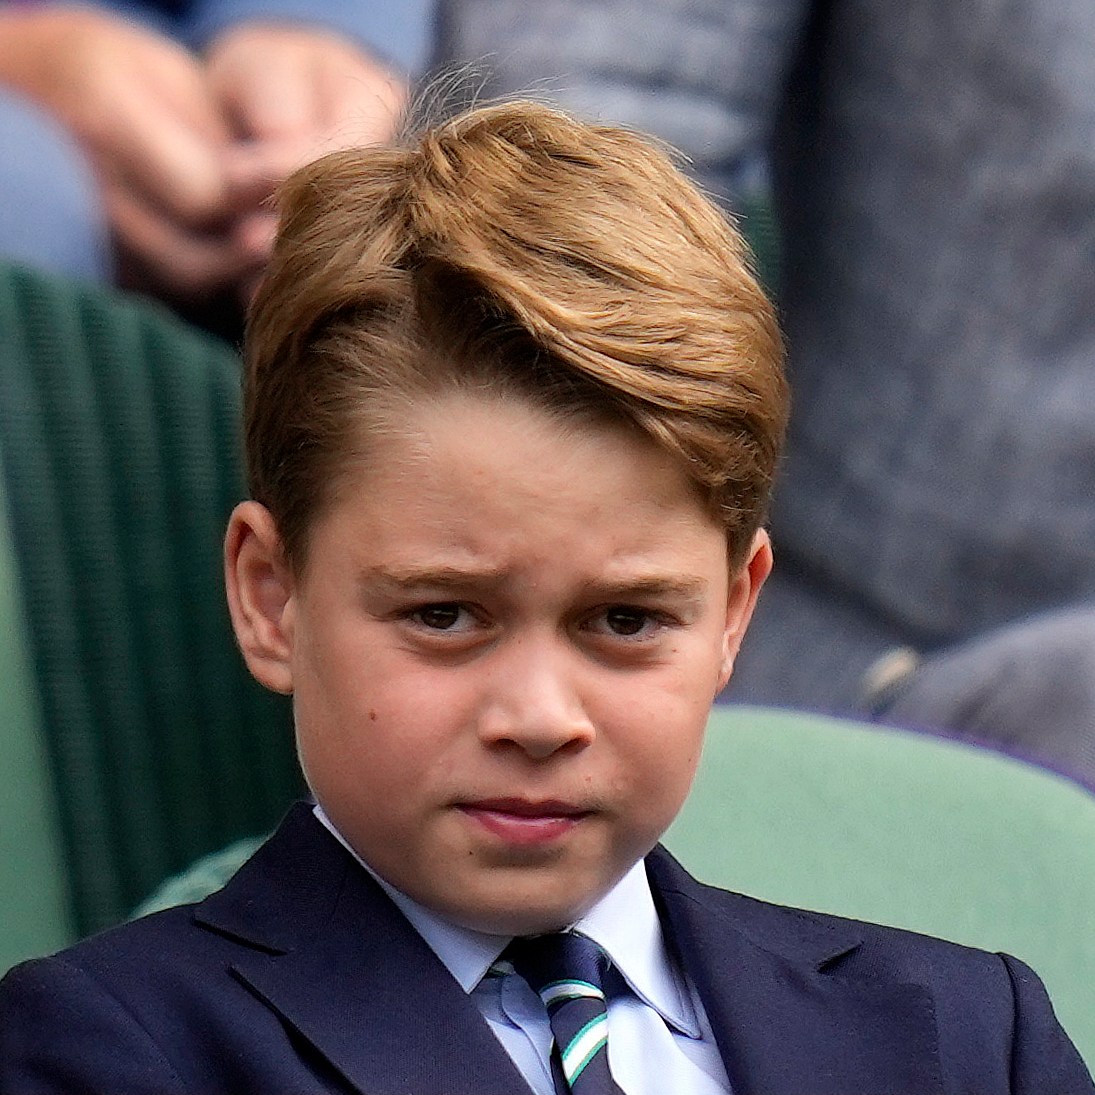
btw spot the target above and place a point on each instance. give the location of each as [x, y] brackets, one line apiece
[513, 249]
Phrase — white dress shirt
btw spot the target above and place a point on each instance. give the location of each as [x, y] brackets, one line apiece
[659, 1038]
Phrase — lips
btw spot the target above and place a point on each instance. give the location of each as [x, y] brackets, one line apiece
[521, 807]
[524, 822]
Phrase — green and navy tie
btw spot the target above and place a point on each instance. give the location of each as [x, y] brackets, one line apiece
[565, 970]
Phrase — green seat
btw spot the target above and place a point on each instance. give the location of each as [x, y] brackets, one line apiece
[34, 908]
[121, 459]
[903, 829]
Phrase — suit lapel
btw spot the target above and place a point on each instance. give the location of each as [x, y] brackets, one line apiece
[784, 1023]
[324, 947]
[353, 977]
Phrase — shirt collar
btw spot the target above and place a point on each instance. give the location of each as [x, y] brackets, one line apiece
[624, 923]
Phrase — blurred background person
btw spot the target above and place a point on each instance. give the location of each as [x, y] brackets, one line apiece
[933, 174]
[140, 139]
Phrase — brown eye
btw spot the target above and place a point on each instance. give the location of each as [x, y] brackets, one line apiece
[440, 617]
[626, 621]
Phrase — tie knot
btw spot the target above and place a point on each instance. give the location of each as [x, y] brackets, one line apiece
[559, 967]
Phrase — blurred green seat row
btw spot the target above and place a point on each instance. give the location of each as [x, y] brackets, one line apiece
[131, 737]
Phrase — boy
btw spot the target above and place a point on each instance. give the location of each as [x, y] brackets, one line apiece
[513, 403]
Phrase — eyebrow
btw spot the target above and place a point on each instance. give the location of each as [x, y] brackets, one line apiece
[684, 587]
[434, 577]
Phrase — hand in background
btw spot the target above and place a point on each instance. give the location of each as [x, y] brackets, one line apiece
[186, 149]
[142, 108]
[290, 93]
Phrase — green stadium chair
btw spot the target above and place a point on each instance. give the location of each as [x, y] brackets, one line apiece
[119, 444]
[34, 910]
[904, 829]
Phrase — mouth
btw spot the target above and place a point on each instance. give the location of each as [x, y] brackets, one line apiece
[525, 822]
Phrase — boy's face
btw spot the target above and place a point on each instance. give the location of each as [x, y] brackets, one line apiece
[502, 650]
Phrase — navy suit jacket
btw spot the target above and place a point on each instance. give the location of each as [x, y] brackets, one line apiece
[302, 976]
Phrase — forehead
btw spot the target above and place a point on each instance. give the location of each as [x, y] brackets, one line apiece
[460, 439]
[487, 476]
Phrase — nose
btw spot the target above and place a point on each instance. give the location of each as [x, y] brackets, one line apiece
[534, 701]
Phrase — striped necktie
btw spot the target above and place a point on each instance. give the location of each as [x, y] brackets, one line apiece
[565, 969]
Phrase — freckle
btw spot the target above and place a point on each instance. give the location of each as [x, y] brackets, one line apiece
[372, 716]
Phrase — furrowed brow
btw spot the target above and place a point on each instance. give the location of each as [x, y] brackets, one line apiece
[682, 587]
[444, 578]
[433, 577]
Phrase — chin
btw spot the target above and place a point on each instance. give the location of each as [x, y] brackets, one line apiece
[508, 916]
[520, 922]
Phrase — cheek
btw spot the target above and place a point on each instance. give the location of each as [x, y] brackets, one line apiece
[697, 667]
[374, 727]
[669, 715]
[338, 722]
[660, 755]
[366, 773]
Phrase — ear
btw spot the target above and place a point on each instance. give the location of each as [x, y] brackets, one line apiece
[745, 586]
[260, 588]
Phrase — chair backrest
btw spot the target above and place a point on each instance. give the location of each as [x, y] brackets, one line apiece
[122, 460]
[902, 829]
[34, 908]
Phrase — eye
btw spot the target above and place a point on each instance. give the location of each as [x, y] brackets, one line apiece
[631, 623]
[626, 620]
[448, 616]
